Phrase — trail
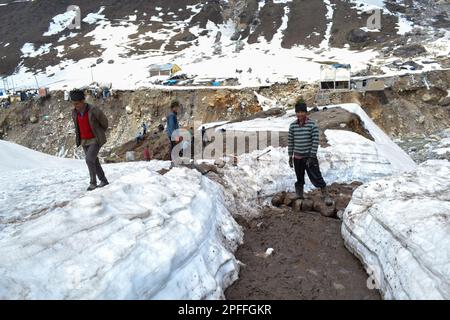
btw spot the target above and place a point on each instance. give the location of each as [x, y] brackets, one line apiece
[309, 260]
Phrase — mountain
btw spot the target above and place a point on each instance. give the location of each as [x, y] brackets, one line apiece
[253, 41]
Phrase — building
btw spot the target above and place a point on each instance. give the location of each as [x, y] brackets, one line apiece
[167, 69]
[368, 84]
[335, 76]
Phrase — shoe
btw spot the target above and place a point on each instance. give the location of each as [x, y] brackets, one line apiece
[92, 187]
[299, 191]
[103, 184]
[326, 196]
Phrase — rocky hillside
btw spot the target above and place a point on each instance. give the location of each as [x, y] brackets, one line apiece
[412, 107]
[253, 40]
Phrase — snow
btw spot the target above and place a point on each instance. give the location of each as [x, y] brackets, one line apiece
[145, 236]
[398, 158]
[92, 18]
[384, 145]
[399, 228]
[60, 22]
[15, 157]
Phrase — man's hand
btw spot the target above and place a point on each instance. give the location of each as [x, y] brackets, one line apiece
[291, 162]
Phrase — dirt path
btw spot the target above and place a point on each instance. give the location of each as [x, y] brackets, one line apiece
[309, 260]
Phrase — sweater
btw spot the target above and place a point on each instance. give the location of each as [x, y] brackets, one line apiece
[303, 140]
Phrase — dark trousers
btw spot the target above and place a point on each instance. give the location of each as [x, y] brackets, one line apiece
[93, 163]
[313, 171]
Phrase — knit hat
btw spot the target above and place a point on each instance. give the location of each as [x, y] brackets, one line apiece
[76, 95]
[300, 107]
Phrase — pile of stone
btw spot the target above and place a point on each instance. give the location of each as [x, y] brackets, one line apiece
[314, 202]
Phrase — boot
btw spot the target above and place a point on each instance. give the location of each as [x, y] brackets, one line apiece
[103, 184]
[326, 196]
[92, 187]
[299, 190]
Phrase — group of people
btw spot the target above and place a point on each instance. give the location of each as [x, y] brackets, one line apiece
[303, 141]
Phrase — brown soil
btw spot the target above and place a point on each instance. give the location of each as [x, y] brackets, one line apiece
[309, 260]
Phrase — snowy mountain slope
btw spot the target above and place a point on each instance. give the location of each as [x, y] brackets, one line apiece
[145, 236]
[399, 227]
[275, 39]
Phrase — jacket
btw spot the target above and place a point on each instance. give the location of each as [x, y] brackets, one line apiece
[97, 121]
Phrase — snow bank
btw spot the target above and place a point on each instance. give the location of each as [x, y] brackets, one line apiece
[399, 227]
[16, 157]
[350, 157]
[145, 236]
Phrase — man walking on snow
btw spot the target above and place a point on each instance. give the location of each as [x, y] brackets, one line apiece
[303, 142]
[90, 126]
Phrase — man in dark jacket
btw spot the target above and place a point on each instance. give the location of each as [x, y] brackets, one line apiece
[90, 126]
[172, 126]
[303, 142]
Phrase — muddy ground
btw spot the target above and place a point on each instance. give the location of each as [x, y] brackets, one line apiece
[309, 260]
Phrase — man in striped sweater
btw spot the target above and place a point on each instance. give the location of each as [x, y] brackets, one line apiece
[303, 142]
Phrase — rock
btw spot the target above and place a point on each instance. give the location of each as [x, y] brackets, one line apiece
[190, 37]
[410, 50]
[427, 97]
[307, 205]
[278, 199]
[411, 65]
[218, 37]
[99, 60]
[111, 61]
[421, 120]
[290, 198]
[33, 119]
[445, 101]
[338, 286]
[235, 36]
[205, 168]
[61, 116]
[357, 36]
[219, 163]
[129, 110]
[297, 205]
[340, 214]
[326, 211]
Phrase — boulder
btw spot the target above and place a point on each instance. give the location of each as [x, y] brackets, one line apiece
[297, 205]
[445, 101]
[33, 119]
[357, 36]
[427, 97]
[129, 110]
[205, 168]
[307, 205]
[99, 60]
[408, 51]
[278, 199]
[290, 198]
[324, 210]
[111, 61]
